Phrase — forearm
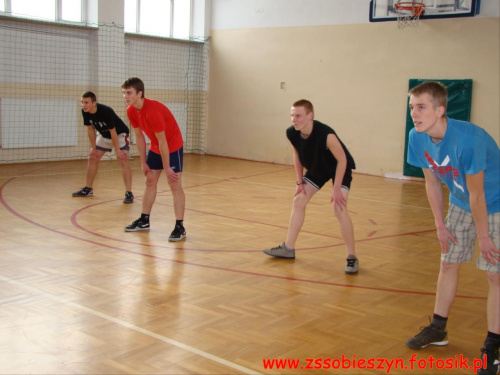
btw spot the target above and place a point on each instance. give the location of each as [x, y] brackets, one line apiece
[116, 144]
[480, 214]
[92, 136]
[165, 155]
[299, 172]
[435, 197]
[339, 173]
[299, 168]
[141, 145]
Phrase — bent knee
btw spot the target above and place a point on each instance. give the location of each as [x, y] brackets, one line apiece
[300, 200]
[493, 278]
[448, 266]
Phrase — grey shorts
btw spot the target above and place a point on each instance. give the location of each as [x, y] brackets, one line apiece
[461, 224]
[106, 144]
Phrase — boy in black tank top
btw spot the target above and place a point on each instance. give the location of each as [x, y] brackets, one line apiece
[317, 148]
[106, 131]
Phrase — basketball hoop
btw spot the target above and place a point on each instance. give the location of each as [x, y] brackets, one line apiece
[408, 13]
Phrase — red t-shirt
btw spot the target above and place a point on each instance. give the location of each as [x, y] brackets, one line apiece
[155, 117]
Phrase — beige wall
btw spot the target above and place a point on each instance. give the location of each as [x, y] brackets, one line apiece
[355, 75]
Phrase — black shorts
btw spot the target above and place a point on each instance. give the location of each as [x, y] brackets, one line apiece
[318, 182]
[154, 161]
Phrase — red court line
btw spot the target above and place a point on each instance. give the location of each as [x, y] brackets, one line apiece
[22, 217]
[76, 224]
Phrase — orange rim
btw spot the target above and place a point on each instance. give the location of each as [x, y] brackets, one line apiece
[415, 7]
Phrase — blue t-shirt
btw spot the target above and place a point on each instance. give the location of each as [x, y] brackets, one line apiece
[465, 149]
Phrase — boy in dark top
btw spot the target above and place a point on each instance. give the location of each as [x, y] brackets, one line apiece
[106, 131]
[317, 148]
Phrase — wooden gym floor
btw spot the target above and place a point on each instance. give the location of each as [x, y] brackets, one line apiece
[78, 295]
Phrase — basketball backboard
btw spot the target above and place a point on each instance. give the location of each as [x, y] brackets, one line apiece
[384, 10]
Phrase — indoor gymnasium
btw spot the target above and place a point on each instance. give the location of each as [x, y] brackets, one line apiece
[357, 277]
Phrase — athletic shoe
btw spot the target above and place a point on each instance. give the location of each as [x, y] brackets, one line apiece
[84, 192]
[177, 234]
[352, 267]
[490, 351]
[137, 225]
[129, 197]
[430, 335]
[281, 251]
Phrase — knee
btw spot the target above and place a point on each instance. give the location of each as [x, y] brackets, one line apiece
[124, 163]
[175, 187]
[341, 214]
[449, 267]
[151, 180]
[493, 279]
[94, 159]
[299, 201]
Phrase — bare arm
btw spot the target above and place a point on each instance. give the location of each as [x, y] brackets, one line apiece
[477, 200]
[337, 150]
[141, 147]
[299, 172]
[92, 138]
[116, 144]
[434, 189]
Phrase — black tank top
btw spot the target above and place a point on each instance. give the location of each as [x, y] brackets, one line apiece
[313, 152]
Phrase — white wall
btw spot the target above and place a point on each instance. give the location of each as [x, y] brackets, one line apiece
[237, 14]
[355, 72]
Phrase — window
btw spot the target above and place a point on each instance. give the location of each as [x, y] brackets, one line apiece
[71, 10]
[167, 18]
[44, 9]
[50, 10]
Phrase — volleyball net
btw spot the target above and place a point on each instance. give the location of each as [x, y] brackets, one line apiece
[45, 67]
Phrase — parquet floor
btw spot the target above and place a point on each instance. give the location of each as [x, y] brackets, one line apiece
[78, 295]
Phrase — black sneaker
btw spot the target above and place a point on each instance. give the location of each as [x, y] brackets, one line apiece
[430, 335]
[129, 197]
[177, 234]
[492, 360]
[84, 192]
[137, 225]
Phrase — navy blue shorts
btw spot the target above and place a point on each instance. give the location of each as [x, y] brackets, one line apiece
[154, 160]
[318, 182]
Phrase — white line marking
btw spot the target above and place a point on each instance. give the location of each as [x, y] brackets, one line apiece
[131, 326]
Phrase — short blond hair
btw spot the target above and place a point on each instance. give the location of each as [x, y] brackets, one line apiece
[436, 90]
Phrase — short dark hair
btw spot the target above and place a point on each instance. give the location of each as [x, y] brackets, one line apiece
[135, 83]
[436, 90]
[89, 94]
[304, 103]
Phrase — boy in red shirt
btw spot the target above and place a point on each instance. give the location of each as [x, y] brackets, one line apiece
[150, 117]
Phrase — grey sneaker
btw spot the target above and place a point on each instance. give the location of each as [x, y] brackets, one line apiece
[430, 335]
[352, 266]
[129, 197]
[491, 352]
[84, 192]
[281, 251]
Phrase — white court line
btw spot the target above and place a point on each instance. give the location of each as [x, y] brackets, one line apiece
[123, 323]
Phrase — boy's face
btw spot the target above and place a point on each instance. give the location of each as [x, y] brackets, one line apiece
[87, 104]
[300, 118]
[131, 96]
[423, 113]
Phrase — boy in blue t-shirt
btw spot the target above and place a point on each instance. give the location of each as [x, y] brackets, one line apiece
[467, 159]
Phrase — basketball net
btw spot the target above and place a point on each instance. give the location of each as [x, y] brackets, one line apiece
[408, 13]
